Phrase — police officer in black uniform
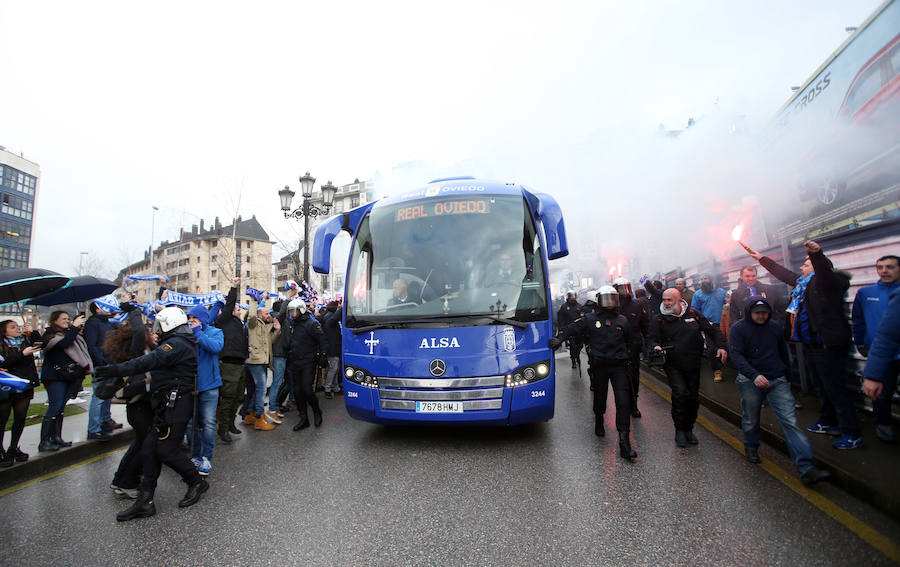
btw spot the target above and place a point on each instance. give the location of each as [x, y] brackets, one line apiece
[173, 370]
[608, 335]
[568, 313]
[306, 345]
[639, 319]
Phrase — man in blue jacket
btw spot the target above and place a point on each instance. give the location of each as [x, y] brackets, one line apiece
[882, 356]
[760, 353]
[210, 341]
[710, 301]
[868, 312]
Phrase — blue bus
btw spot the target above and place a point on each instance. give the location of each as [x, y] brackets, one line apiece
[447, 314]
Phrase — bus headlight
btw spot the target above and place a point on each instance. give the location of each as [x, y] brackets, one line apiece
[527, 374]
[360, 376]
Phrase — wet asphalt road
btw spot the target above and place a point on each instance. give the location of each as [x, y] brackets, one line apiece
[354, 493]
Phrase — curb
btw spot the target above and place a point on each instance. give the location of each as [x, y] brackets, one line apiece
[885, 502]
[55, 461]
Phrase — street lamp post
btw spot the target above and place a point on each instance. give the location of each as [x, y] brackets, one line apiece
[152, 236]
[306, 210]
[81, 263]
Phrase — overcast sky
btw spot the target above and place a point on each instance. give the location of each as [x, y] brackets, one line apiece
[192, 106]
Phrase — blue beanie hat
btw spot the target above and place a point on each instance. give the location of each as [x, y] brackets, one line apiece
[200, 313]
[108, 304]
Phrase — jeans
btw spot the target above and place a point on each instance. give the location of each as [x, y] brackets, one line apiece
[278, 363]
[205, 424]
[258, 403]
[58, 393]
[781, 400]
[333, 378]
[98, 412]
[830, 364]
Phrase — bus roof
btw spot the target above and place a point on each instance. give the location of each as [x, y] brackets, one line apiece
[455, 186]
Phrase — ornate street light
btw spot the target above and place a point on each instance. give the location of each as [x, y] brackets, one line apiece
[306, 210]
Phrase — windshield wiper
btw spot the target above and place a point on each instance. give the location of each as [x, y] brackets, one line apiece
[437, 319]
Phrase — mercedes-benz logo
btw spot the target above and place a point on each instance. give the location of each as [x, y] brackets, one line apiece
[437, 367]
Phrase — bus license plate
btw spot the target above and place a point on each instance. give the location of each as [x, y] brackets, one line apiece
[439, 407]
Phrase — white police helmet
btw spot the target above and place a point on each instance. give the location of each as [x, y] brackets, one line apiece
[297, 305]
[607, 297]
[623, 286]
[168, 319]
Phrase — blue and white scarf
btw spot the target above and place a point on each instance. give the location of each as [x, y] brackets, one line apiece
[798, 293]
[15, 342]
[132, 279]
[191, 299]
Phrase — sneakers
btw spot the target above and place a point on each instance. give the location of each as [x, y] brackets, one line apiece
[884, 432]
[250, 419]
[204, 467]
[814, 475]
[273, 417]
[99, 436]
[196, 462]
[130, 493]
[847, 442]
[329, 395]
[819, 427]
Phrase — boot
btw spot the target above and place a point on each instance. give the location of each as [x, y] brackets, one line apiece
[317, 418]
[681, 438]
[262, 424]
[194, 491]
[599, 430]
[234, 429]
[625, 446]
[250, 419]
[6, 459]
[691, 438]
[58, 436]
[48, 434]
[143, 507]
[303, 423]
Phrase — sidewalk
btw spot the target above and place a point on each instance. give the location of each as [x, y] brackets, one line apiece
[74, 430]
[869, 473]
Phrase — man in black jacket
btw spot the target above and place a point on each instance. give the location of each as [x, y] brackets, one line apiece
[307, 341]
[678, 330]
[639, 322]
[568, 313]
[332, 329]
[608, 337]
[818, 320]
[748, 285]
[173, 371]
[231, 362]
[759, 352]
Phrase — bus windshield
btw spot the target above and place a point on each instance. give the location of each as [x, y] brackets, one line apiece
[474, 259]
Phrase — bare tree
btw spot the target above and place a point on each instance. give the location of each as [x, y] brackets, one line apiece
[90, 264]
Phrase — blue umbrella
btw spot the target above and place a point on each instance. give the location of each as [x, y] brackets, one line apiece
[81, 288]
[22, 284]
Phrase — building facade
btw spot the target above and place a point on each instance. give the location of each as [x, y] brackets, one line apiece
[204, 260]
[19, 184]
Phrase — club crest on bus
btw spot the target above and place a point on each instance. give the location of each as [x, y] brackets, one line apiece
[443, 342]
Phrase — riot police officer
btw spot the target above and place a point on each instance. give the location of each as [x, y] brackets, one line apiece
[568, 313]
[639, 319]
[307, 344]
[173, 370]
[608, 335]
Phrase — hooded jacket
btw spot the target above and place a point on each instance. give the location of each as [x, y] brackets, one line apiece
[210, 341]
[824, 297]
[758, 349]
[306, 340]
